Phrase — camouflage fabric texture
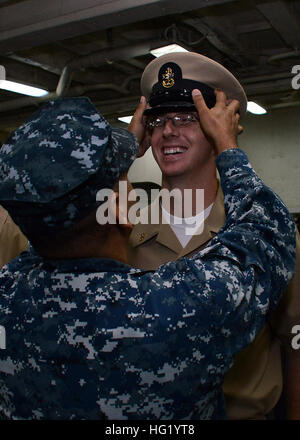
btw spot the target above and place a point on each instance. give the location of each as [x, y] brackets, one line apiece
[96, 339]
[52, 167]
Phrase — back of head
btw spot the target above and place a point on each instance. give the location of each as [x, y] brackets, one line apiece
[52, 167]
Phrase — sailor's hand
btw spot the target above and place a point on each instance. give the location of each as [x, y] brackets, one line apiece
[220, 124]
[138, 127]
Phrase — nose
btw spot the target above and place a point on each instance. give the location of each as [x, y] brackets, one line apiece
[169, 129]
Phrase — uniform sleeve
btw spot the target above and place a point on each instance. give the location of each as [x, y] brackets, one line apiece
[12, 241]
[240, 276]
[287, 313]
[259, 231]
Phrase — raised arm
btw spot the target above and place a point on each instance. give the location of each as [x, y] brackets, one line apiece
[217, 301]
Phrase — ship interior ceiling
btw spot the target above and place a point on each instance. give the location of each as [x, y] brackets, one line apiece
[99, 49]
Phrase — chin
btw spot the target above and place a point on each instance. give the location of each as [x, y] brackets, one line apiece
[171, 167]
[173, 173]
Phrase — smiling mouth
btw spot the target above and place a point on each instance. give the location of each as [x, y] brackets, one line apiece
[168, 151]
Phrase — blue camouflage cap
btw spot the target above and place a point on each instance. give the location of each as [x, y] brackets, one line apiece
[52, 167]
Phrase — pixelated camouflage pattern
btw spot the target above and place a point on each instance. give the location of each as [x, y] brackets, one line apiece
[96, 339]
[52, 167]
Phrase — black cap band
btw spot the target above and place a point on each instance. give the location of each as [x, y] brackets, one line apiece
[179, 99]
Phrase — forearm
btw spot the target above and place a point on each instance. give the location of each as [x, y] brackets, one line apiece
[253, 210]
[230, 285]
[258, 232]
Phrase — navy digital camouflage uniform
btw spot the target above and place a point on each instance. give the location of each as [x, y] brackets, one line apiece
[95, 339]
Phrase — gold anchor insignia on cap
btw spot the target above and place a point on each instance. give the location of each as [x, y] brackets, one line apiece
[168, 78]
[141, 237]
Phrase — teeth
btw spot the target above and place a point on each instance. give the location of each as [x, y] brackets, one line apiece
[174, 150]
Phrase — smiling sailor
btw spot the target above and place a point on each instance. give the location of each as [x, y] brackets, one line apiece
[186, 157]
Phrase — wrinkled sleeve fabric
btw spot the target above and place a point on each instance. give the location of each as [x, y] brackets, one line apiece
[240, 276]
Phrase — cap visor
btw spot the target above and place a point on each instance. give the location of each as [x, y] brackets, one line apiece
[170, 107]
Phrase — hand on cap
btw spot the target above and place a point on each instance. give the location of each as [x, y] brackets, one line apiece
[221, 123]
[138, 127]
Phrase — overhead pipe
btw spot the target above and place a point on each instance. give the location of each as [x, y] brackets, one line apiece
[99, 58]
[94, 59]
[30, 62]
[75, 91]
[283, 105]
[266, 78]
[274, 58]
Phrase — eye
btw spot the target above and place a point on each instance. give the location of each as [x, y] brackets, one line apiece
[154, 123]
[185, 119]
[158, 122]
[192, 118]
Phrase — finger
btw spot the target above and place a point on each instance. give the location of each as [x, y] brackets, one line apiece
[199, 102]
[240, 129]
[138, 114]
[234, 105]
[137, 118]
[141, 108]
[137, 123]
[220, 97]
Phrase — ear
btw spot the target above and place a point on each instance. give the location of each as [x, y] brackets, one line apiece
[121, 212]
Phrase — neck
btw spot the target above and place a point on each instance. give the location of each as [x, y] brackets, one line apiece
[112, 245]
[115, 248]
[206, 181]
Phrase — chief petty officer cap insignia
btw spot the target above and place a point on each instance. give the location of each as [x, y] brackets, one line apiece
[168, 81]
[52, 167]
